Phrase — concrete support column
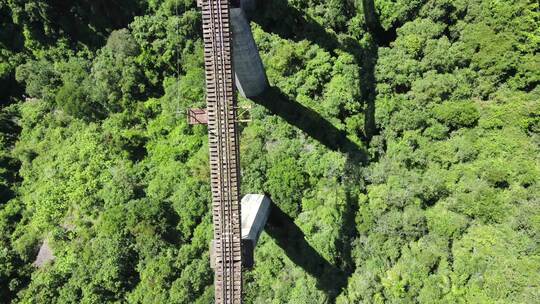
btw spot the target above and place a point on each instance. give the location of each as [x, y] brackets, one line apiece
[249, 71]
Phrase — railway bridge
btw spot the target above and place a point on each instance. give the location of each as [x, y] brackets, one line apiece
[231, 62]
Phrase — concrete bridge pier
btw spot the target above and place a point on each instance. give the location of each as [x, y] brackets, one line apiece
[250, 76]
[255, 209]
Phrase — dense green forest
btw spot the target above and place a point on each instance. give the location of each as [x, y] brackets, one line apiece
[399, 142]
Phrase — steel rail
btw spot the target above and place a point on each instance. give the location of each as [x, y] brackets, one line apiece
[219, 155]
[230, 236]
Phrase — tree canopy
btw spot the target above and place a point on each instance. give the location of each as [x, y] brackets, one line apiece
[399, 143]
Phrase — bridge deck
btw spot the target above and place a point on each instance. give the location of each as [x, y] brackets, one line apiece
[223, 144]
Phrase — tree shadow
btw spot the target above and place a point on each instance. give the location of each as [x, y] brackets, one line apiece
[9, 165]
[88, 22]
[292, 240]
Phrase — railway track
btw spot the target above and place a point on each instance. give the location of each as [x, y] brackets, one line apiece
[223, 145]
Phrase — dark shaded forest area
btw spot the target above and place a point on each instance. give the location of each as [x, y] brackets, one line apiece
[399, 142]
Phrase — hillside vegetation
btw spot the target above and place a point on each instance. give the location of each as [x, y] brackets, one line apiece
[400, 143]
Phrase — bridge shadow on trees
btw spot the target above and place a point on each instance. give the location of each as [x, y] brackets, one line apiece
[309, 121]
[291, 239]
[297, 26]
[331, 278]
[293, 24]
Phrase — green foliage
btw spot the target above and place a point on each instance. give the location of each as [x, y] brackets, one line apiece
[457, 114]
[452, 150]
[40, 78]
[96, 156]
[122, 43]
[13, 271]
